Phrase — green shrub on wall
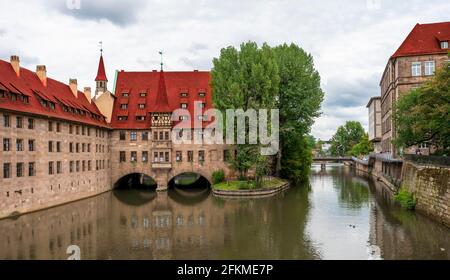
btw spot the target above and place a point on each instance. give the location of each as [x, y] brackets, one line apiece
[218, 176]
[406, 199]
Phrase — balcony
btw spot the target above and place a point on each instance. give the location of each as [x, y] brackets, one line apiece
[162, 165]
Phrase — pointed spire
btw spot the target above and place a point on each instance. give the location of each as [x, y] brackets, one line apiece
[101, 73]
[162, 103]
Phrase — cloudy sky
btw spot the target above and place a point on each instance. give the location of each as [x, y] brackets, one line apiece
[351, 40]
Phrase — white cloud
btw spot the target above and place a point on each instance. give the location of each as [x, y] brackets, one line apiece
[350, 40]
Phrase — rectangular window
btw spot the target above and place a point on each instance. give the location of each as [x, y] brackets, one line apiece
[201, 155]
[190, 156]
[19, 169]
[71, 147]
[6, 121]
[83, 165]
[71, 167]
[179, 156]
[144, 156]
[19, 145]
[145, 136]
[183, 105]
[202, 94]
[31, 146]
[140, 118]
[83, 130]
[141, 106]
[133, 156]
[444, 45]
[50, 168]
[123, 106]
[58, 147]
[77, 130]
[50, 146]
[6, 144]
[58, 127]
[30, 123]
[122, 135]
[77, 147]
[166, 136]
[416, 69]
[50, 126]
[143, 94]
[88, 131]
[226, 155]
[89, 148]
[133, 136]
[122, 156]
[161, 135]
[155, 157]
[58, 167]
[19, 122]
[31, 169]
[70, 129]
[7, 170]
[83, 147]
[167, 156]
[77, 166]
[430, 68]
[89, 165]
[155, 136]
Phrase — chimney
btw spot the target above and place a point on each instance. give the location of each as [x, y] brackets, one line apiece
[73, 84]
[15, 63]
[41, 72]
[87, 93]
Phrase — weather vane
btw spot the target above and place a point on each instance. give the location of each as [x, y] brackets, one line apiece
[161, 54]
[101, 47]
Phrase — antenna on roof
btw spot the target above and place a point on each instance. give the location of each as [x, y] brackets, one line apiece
[161, 54]
[101, 47]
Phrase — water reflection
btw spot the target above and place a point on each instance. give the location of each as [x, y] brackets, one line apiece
[339, 214]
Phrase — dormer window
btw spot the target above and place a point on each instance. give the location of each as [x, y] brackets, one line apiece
[202, 94]
[184, 94]
[143, 94]
[183, 105]
[141, 106]
[125, 94]
[444, 45]
[124, 106]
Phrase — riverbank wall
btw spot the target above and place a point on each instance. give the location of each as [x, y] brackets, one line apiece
[429, 184]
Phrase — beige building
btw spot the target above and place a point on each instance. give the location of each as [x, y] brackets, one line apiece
[58, 145]
[423, 51]
[374, 107]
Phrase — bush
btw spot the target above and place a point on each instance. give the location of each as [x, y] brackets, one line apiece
[218, 176]
[406, 199]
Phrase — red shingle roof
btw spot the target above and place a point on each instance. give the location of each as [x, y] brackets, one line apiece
[134, 83]
[29, 84]
[101, 73]
[425, 39]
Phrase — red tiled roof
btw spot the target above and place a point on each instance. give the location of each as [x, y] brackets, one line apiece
[163, 95]
[101, 73]
[425, 39]
[29, 84]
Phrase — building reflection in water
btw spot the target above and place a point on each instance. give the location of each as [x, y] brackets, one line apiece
[305, 222]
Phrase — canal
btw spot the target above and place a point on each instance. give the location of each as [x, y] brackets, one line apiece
[339, 214]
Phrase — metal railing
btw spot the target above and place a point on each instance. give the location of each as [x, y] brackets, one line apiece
[432, 160]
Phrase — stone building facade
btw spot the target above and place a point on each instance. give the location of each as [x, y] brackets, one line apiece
[58, 145]
[424, 50]
[374, 107]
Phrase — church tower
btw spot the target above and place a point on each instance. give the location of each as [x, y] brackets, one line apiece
[101, 80]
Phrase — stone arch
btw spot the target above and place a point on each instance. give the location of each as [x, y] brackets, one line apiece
[201, 176]
[136, 180]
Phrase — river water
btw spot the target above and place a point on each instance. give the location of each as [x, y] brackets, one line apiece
[339, 214]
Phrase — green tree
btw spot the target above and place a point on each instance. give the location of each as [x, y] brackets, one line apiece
[245, 79]
[296, 160]
[299, 100]
[346, 137]
[364, 147]
[423, 115]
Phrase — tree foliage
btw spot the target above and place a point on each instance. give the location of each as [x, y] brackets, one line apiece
[281, 78]
[364, 147]
[423, 115]
[346, 137]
